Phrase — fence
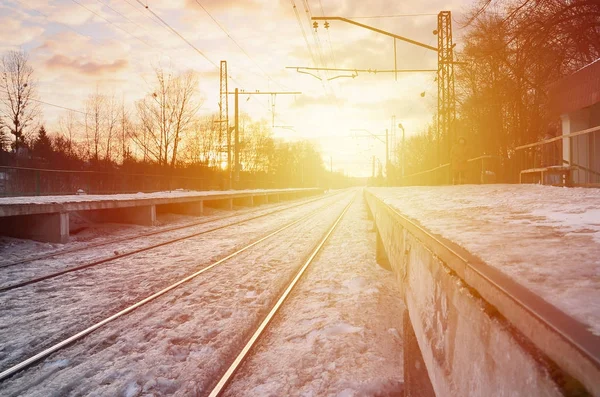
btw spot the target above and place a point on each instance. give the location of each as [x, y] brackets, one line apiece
[482, 169]
[576, 155]
[17, 181]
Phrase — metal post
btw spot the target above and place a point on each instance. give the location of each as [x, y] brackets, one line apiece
[446, 114]
[237, 138]
[387, 156]
[224, 114]
[373, 170]
[403, 152]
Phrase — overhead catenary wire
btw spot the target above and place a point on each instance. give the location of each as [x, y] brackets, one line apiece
[153, 20]
[114, 24]
[392, 16]
[178, 34]
[258, 66]
[105, 3]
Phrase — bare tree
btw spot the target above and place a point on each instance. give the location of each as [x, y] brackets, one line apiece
[166, 115]
[68, 127]
[111, 119]
[126, 130]
[94, 109]
[17, 93]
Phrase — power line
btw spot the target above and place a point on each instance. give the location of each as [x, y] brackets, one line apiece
[328, 37]
[115, 25]
[119, 13]
[178, 34]
[304, 33]
[147, 16]
[391, 16]
[52, 104]
[237, 44]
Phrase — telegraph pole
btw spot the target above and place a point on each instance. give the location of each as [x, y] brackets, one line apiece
[236, 149]
[387, 157]
[237, 138]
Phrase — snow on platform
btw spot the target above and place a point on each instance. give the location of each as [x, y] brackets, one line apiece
[15, 205]
[545, 238]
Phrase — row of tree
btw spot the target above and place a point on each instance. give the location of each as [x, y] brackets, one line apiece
[513, 51]
[163, 133]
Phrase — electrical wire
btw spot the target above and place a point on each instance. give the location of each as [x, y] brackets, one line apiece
[178, 34]
[239, 46]
[115, 25]
[103, 2]
[391, 16]
[52, 104]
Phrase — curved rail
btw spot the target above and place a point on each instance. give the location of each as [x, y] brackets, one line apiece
[241, 357]
[58, 346]
[21, 284]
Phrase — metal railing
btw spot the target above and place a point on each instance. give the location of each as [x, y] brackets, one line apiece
[482, 169]
[19, 181]
[577, 155]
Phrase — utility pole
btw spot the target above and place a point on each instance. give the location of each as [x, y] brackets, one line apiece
[236, 128]
[224, 120]
[373, 170]
[387, 157]
[237, 138]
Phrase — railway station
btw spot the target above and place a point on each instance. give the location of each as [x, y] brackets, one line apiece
[303, 198]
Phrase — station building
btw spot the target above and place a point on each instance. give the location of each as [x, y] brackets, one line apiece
[576, 98]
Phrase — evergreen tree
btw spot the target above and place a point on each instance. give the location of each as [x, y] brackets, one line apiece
[42, 147]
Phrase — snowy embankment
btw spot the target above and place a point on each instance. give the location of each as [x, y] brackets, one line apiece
[180, 343]
[37, 316]
[338, 334]
[546, 238]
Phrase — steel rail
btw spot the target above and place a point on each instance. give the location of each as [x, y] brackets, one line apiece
[562, 338]
[36, 280]
[56, 347]
[228, 376]
[147, 234]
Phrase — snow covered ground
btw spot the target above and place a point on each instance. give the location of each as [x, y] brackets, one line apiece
[546, 238]
[176, 345]
[14, 249]
[37, 316]
[339, 332]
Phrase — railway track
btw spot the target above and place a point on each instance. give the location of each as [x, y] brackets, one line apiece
[112, 258]
[221, 386]
[54, 254]
[23, 364]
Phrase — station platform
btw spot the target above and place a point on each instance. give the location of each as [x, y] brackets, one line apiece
[46, 218]
[501, 285]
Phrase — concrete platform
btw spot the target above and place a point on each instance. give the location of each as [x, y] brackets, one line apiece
[46, 218]
[476, 327]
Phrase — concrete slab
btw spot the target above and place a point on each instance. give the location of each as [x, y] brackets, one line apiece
[467, 347]
[51, 228]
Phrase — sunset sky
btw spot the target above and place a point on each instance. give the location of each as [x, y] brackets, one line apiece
[74, 52]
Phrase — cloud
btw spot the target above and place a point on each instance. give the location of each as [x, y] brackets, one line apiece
[86, 67]
[14, 33]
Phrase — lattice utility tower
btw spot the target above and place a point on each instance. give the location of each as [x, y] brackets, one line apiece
[446, 117]
[446, 109]
[224, 115]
